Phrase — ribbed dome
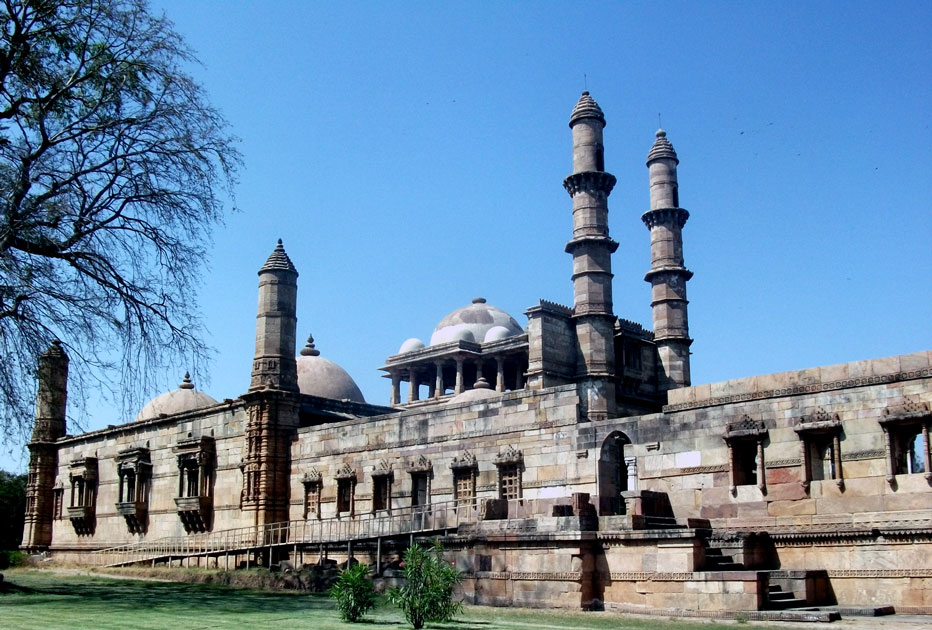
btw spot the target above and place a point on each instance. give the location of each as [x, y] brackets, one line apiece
[473, 322]
[322, 377]
[662, 148]
[586, 107]
[185, 398]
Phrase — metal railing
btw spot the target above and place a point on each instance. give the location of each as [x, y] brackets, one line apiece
[399, 521]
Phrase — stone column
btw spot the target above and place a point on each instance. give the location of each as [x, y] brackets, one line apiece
[413, 394]
[438, 381]
[459, 376]
[395, 398]
[500, 374]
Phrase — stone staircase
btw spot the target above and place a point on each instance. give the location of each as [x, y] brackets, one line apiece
[779, 599]
[716, 560]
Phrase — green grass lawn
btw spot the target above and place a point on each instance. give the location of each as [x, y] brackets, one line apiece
[59, 602]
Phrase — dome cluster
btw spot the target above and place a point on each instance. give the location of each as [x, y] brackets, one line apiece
[478, 322]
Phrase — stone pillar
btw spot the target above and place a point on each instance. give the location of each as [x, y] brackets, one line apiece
[413, 393]
[396, 389]
[274, 365]
[592, 249]
[438, 381]
[667, 275]
[499, 374]
[459, 376]
[49, 426]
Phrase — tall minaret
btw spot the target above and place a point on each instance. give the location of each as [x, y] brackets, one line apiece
[667, 275]
[274, 364]
[592, 249]
[51, 402]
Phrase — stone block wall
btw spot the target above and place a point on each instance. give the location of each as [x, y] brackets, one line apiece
[223, 422]
[539, 424]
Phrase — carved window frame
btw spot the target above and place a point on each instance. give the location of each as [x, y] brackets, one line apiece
[420, 468]
[383, 477]
[510, 483]
[82, 473]
[58, 501]
[194, 501]
[741, 435]
[897, 422]
[313, 485]
[346, 482]
[465, 468]
[814, 430]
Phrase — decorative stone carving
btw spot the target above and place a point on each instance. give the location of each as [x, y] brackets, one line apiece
[196, 464]
[820, 425]
[345, 472]
[509, 456]
[82, 473]
[738, 436]
[900, 423]
[419, 465]
[135, 473]
[466, 460]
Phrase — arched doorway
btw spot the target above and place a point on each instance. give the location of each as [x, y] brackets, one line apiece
[613, 474]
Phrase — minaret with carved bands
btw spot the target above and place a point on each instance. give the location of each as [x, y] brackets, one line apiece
[592, 249]
[51, 402]
[667, 275]
[271, 403]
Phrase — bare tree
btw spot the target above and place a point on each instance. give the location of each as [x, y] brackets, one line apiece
[113, 167]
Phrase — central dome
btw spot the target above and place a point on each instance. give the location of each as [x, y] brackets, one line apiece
[185, 398]
[474, 323]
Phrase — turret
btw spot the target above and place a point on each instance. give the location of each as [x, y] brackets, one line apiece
[592, 249]
[667, 275]
[274, 364]
[51, 403]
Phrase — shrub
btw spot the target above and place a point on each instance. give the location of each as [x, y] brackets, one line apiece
[354, 593]
[10, 559]
[427, 595]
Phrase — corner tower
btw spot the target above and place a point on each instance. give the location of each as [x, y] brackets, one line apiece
[592, 249]
[667, 275]
[274, 364]
[51, 403]
[272, 400]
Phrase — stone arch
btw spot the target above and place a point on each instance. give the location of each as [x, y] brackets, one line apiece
[613, 473]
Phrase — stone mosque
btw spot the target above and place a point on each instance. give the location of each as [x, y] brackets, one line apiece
[566, 462]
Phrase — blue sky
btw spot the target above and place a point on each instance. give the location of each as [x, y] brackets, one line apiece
[411, 157]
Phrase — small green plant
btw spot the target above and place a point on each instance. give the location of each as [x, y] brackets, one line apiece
[427, 595]
[10, 559]
[354, 593]
[742, 617]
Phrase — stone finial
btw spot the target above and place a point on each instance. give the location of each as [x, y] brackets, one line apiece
[482, 384]
[662, 149]
[186, 382]
[309, 350]
[278, 260]
[478, 300]
[586, 107]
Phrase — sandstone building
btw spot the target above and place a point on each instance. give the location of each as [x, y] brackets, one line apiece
[567, 462]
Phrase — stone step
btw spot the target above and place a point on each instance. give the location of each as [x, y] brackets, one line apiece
[783, 604]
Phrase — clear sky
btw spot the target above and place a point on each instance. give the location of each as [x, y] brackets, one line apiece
[411, 155]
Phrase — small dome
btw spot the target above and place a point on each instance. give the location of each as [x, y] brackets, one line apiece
[185, 398]
[497, 332]
[322, 377]
[410, 345]
[481, 391]
[473, 323]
